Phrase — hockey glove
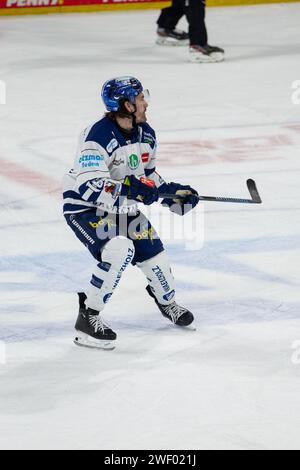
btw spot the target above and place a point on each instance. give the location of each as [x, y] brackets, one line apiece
[139, 191]
[183, 205]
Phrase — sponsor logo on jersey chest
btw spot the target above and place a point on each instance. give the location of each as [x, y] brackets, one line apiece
[134, 161]
[118, 162]
[90, 160]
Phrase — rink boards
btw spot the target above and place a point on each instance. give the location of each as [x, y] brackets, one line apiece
[19, 7]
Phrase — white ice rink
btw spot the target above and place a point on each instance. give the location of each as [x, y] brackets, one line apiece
[235, 382]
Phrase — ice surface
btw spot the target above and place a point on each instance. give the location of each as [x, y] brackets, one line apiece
[232, 384]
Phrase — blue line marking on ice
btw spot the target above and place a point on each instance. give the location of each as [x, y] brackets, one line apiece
[35, 331]
[68, 271]
[215, 256]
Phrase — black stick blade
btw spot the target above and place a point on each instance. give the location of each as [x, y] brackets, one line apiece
[253, 191]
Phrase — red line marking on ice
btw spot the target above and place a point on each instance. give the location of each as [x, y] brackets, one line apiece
[267, 147]
[23, 175]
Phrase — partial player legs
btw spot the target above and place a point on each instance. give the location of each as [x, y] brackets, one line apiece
[200, 51]
[170, 16]
[167, 34]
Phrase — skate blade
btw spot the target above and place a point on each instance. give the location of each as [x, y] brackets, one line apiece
[204, 59]
[218, 56]
[171, 42]
[86, 341]
[187, 328]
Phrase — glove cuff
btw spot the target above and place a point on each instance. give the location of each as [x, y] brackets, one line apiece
[125, 190]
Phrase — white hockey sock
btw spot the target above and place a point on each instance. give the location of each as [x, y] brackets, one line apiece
[116, 256]
[160, 277]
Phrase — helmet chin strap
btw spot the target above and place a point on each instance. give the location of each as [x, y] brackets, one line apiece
[129, 114]
[133, 117]
[125, 114]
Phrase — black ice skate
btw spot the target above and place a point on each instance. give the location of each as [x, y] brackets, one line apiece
[180, 316]
[92, 332]
[206, 54]
[172, 37]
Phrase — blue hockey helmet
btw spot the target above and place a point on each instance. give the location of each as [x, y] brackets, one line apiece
[116, 90]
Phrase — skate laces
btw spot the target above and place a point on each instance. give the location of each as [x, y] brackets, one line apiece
[174, 311]
[97, 322]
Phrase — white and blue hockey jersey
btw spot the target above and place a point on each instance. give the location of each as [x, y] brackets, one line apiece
[105, 156]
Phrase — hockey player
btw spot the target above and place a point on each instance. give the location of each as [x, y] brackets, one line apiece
[114, 170]
[197, 38]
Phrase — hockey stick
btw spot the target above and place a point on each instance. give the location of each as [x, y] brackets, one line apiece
[255, 197]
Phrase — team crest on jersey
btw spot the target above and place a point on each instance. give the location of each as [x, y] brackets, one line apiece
[134, 161]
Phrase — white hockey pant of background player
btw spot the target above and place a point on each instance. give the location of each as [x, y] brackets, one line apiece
[116, 256]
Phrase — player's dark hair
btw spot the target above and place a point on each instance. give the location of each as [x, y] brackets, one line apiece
[122, 113]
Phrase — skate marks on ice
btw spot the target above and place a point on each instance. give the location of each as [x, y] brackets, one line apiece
[262, 290]
[66, 368]
[241, 280]
[234, 373]
[228, 378]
